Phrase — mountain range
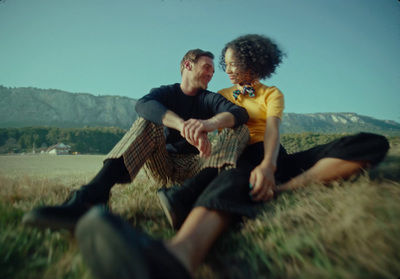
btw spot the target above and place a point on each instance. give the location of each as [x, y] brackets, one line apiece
[21, 107]
[27, 106]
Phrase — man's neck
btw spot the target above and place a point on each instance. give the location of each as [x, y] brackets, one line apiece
[188, 89]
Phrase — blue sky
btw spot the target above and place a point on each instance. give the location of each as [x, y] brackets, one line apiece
[342, 55]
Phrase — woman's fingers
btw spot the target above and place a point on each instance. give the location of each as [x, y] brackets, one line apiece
[261, 187]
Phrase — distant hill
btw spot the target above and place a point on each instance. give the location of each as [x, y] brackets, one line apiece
[335, 123]
[22, 107]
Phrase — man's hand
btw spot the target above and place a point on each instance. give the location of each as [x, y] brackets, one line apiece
[203, 145]
[262, 182]
[193, 128]
[195, 132]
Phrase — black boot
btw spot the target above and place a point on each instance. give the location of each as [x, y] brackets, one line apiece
[178, 201]
[112, 248]
[66, 215]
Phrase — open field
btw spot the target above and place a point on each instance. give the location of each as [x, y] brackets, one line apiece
[50, 165]
[348, 230]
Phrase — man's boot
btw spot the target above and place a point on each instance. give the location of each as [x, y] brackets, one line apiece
[97, 192]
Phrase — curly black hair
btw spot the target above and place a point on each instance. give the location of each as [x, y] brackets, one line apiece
[255, 53]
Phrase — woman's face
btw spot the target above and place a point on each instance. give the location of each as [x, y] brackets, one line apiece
[232, 68]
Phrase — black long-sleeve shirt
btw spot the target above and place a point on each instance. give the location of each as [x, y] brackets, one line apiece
[204, 105]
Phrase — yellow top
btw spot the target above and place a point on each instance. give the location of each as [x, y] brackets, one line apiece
[268, 101]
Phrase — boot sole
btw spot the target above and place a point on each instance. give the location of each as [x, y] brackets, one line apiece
[167, 208]
[37, 220]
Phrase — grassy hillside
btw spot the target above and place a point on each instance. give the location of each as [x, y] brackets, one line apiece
[348, 230]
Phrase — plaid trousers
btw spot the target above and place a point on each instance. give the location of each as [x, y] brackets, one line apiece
[144, 146]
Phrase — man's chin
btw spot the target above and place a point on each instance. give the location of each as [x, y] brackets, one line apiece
[203, 86]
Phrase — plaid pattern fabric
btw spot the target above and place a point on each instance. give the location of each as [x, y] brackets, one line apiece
[227, 147]
[144, 146]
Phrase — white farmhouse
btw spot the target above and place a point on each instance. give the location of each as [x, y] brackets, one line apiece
[59, 149]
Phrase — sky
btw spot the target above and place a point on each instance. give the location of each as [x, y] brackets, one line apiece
[342, 55]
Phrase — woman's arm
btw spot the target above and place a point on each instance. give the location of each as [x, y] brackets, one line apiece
[262, 180]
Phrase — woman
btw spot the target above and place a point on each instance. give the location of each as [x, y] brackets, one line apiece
[209, 203]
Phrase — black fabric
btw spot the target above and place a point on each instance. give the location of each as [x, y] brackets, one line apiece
[203, 105]
[229, 192]
[192, 188]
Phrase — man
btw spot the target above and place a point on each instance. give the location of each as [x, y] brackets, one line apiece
[169, 139]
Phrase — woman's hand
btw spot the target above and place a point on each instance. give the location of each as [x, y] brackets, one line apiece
[262, 182]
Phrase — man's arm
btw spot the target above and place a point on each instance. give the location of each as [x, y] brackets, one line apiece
[172, 120]
[219, 104]
[195, 130]
[226, 115]
[153, 106]
[192, 128]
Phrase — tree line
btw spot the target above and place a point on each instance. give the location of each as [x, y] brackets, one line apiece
[100, 140]
[93, 140]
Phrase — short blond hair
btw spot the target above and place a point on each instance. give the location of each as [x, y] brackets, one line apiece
[193, 55]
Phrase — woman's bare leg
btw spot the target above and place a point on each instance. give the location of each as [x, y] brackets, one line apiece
[325, 170]
[197, 234]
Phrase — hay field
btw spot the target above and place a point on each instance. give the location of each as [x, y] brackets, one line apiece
[50, 165]
[347, 230]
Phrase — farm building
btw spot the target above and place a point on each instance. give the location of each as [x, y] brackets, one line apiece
[59, 149]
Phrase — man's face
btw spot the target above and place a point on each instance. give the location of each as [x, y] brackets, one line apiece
[202, 72]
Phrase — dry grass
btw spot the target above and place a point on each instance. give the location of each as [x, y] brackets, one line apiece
[347, 230]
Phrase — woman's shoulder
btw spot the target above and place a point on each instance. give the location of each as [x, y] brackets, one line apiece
[268, 90]
[228, 89]
[227, 92]
[265, 87]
